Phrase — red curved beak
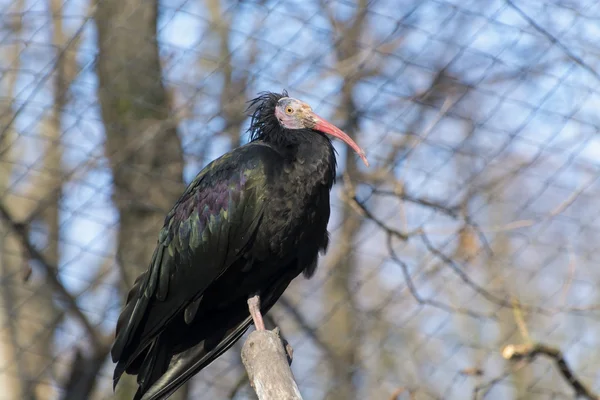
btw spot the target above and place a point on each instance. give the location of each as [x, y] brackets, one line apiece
[327, 127]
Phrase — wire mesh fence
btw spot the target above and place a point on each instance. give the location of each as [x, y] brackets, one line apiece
[463, 261]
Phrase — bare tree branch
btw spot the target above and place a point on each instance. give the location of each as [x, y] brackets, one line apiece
[309, 330]
[404, 236]
[21, 232]
[459, 271]
[451, 211]
[485, 387]
[554, 40]
[530, 351]
[413, 290]
[239, 385]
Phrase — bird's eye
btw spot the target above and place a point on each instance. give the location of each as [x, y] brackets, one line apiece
[289, 110]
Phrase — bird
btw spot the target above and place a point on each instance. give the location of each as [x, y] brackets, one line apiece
[249, 223]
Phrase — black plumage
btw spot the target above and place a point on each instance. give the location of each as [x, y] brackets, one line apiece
[248, 224]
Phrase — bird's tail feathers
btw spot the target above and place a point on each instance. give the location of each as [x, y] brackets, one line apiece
[191, 361]
[154, 365]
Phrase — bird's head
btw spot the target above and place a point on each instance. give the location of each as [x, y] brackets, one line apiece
[294, 114]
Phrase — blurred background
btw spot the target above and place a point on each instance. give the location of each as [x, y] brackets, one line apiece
[474, 229]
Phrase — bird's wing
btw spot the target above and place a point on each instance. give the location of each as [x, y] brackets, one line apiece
[205, 232]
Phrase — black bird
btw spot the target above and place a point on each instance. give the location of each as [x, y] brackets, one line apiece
[246, 226]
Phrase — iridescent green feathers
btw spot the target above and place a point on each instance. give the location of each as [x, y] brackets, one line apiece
[206, 231]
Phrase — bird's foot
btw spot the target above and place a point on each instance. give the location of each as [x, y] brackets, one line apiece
[254, 307]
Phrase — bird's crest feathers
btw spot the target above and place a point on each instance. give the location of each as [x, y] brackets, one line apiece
[262, 117]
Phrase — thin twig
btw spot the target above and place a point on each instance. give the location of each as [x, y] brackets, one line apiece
[405, 236]
[447, 260]
[485, 387]
[518, 313]
[554, 40]
[369, 215]
[567, 285]
[529, 351]
[450, 211]
[413, 290]
[475, 286]
[239, 385]
[309, 330]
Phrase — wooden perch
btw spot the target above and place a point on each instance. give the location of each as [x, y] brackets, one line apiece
[268, 366]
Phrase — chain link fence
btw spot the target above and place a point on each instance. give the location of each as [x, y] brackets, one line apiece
[463, 262]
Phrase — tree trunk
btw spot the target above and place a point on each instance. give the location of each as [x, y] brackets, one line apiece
[10, 257]
[30, 312]
[142, 144]
[341, 333]
[343, 323]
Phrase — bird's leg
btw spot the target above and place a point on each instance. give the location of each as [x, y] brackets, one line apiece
[254, 307]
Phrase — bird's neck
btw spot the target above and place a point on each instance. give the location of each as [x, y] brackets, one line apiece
[309, 156]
